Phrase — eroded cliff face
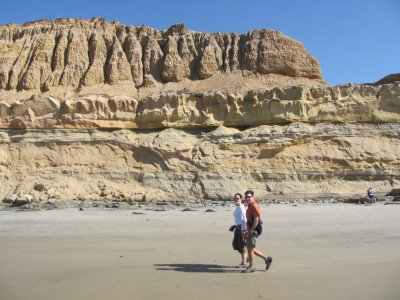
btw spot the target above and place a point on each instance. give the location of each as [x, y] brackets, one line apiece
[196, 164]
[73, 54]
[350, 103]
[93, 110]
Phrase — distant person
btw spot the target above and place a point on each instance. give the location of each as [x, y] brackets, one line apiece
[239, 228]
[371, 196]
[253, 217]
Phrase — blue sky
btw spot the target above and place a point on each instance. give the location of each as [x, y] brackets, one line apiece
[355, 41]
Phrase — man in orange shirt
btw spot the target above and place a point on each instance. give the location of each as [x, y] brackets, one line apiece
[253, 217]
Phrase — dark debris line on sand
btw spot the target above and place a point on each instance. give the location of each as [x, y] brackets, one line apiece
[192, 205]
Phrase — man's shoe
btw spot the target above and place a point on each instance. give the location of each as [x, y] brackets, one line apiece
[241, 266]
[268, 262]
[249, 270]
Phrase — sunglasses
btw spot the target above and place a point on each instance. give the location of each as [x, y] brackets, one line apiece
[248, 197]
[237, 198]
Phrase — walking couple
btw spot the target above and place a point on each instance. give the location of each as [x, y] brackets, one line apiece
[245, 233]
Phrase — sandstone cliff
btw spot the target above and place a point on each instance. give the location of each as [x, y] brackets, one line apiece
[172, 164]
[350, 103]
[72, 53]
[94, 110]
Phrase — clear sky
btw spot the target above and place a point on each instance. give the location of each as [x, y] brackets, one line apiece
[355, 41]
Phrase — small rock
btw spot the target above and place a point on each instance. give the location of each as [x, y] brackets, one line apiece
[187, 209]
[160, 209]
[105, 193]
[29, 207]
[51, 201]
[23, 199]
[40, 187]
[10, 198]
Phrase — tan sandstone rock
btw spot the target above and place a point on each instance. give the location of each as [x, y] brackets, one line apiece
[76, 53]
[98, 110]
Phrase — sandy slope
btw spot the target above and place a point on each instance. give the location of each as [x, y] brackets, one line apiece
[334, 251]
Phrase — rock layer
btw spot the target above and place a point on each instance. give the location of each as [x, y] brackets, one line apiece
[198, 164]
[350, 103]
[75, 53]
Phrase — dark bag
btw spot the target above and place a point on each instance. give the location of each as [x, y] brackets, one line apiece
[258, 230]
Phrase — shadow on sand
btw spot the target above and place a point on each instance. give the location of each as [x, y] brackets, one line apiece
[197, 268]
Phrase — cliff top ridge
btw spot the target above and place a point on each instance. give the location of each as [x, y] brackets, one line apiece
[72, 55]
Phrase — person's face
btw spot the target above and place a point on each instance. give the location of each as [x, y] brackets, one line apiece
[248, 197]
[237, 200]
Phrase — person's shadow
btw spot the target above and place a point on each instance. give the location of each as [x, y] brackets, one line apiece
[197, 268]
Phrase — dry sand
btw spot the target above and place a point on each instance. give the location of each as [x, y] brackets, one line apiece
[327, 251]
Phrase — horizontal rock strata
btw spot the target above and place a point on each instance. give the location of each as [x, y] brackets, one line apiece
[350, 103]
[198, 164]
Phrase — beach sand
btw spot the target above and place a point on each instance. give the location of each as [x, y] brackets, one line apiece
[320, 251]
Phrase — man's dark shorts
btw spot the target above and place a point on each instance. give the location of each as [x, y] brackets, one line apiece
[251, 240]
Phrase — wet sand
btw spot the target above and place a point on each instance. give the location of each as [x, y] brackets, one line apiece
[327, 251]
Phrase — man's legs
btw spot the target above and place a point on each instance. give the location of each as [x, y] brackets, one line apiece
[267, 260]
[251, 245]
[243, 255]
[259, 254]
[250, 268]
[250, 251]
